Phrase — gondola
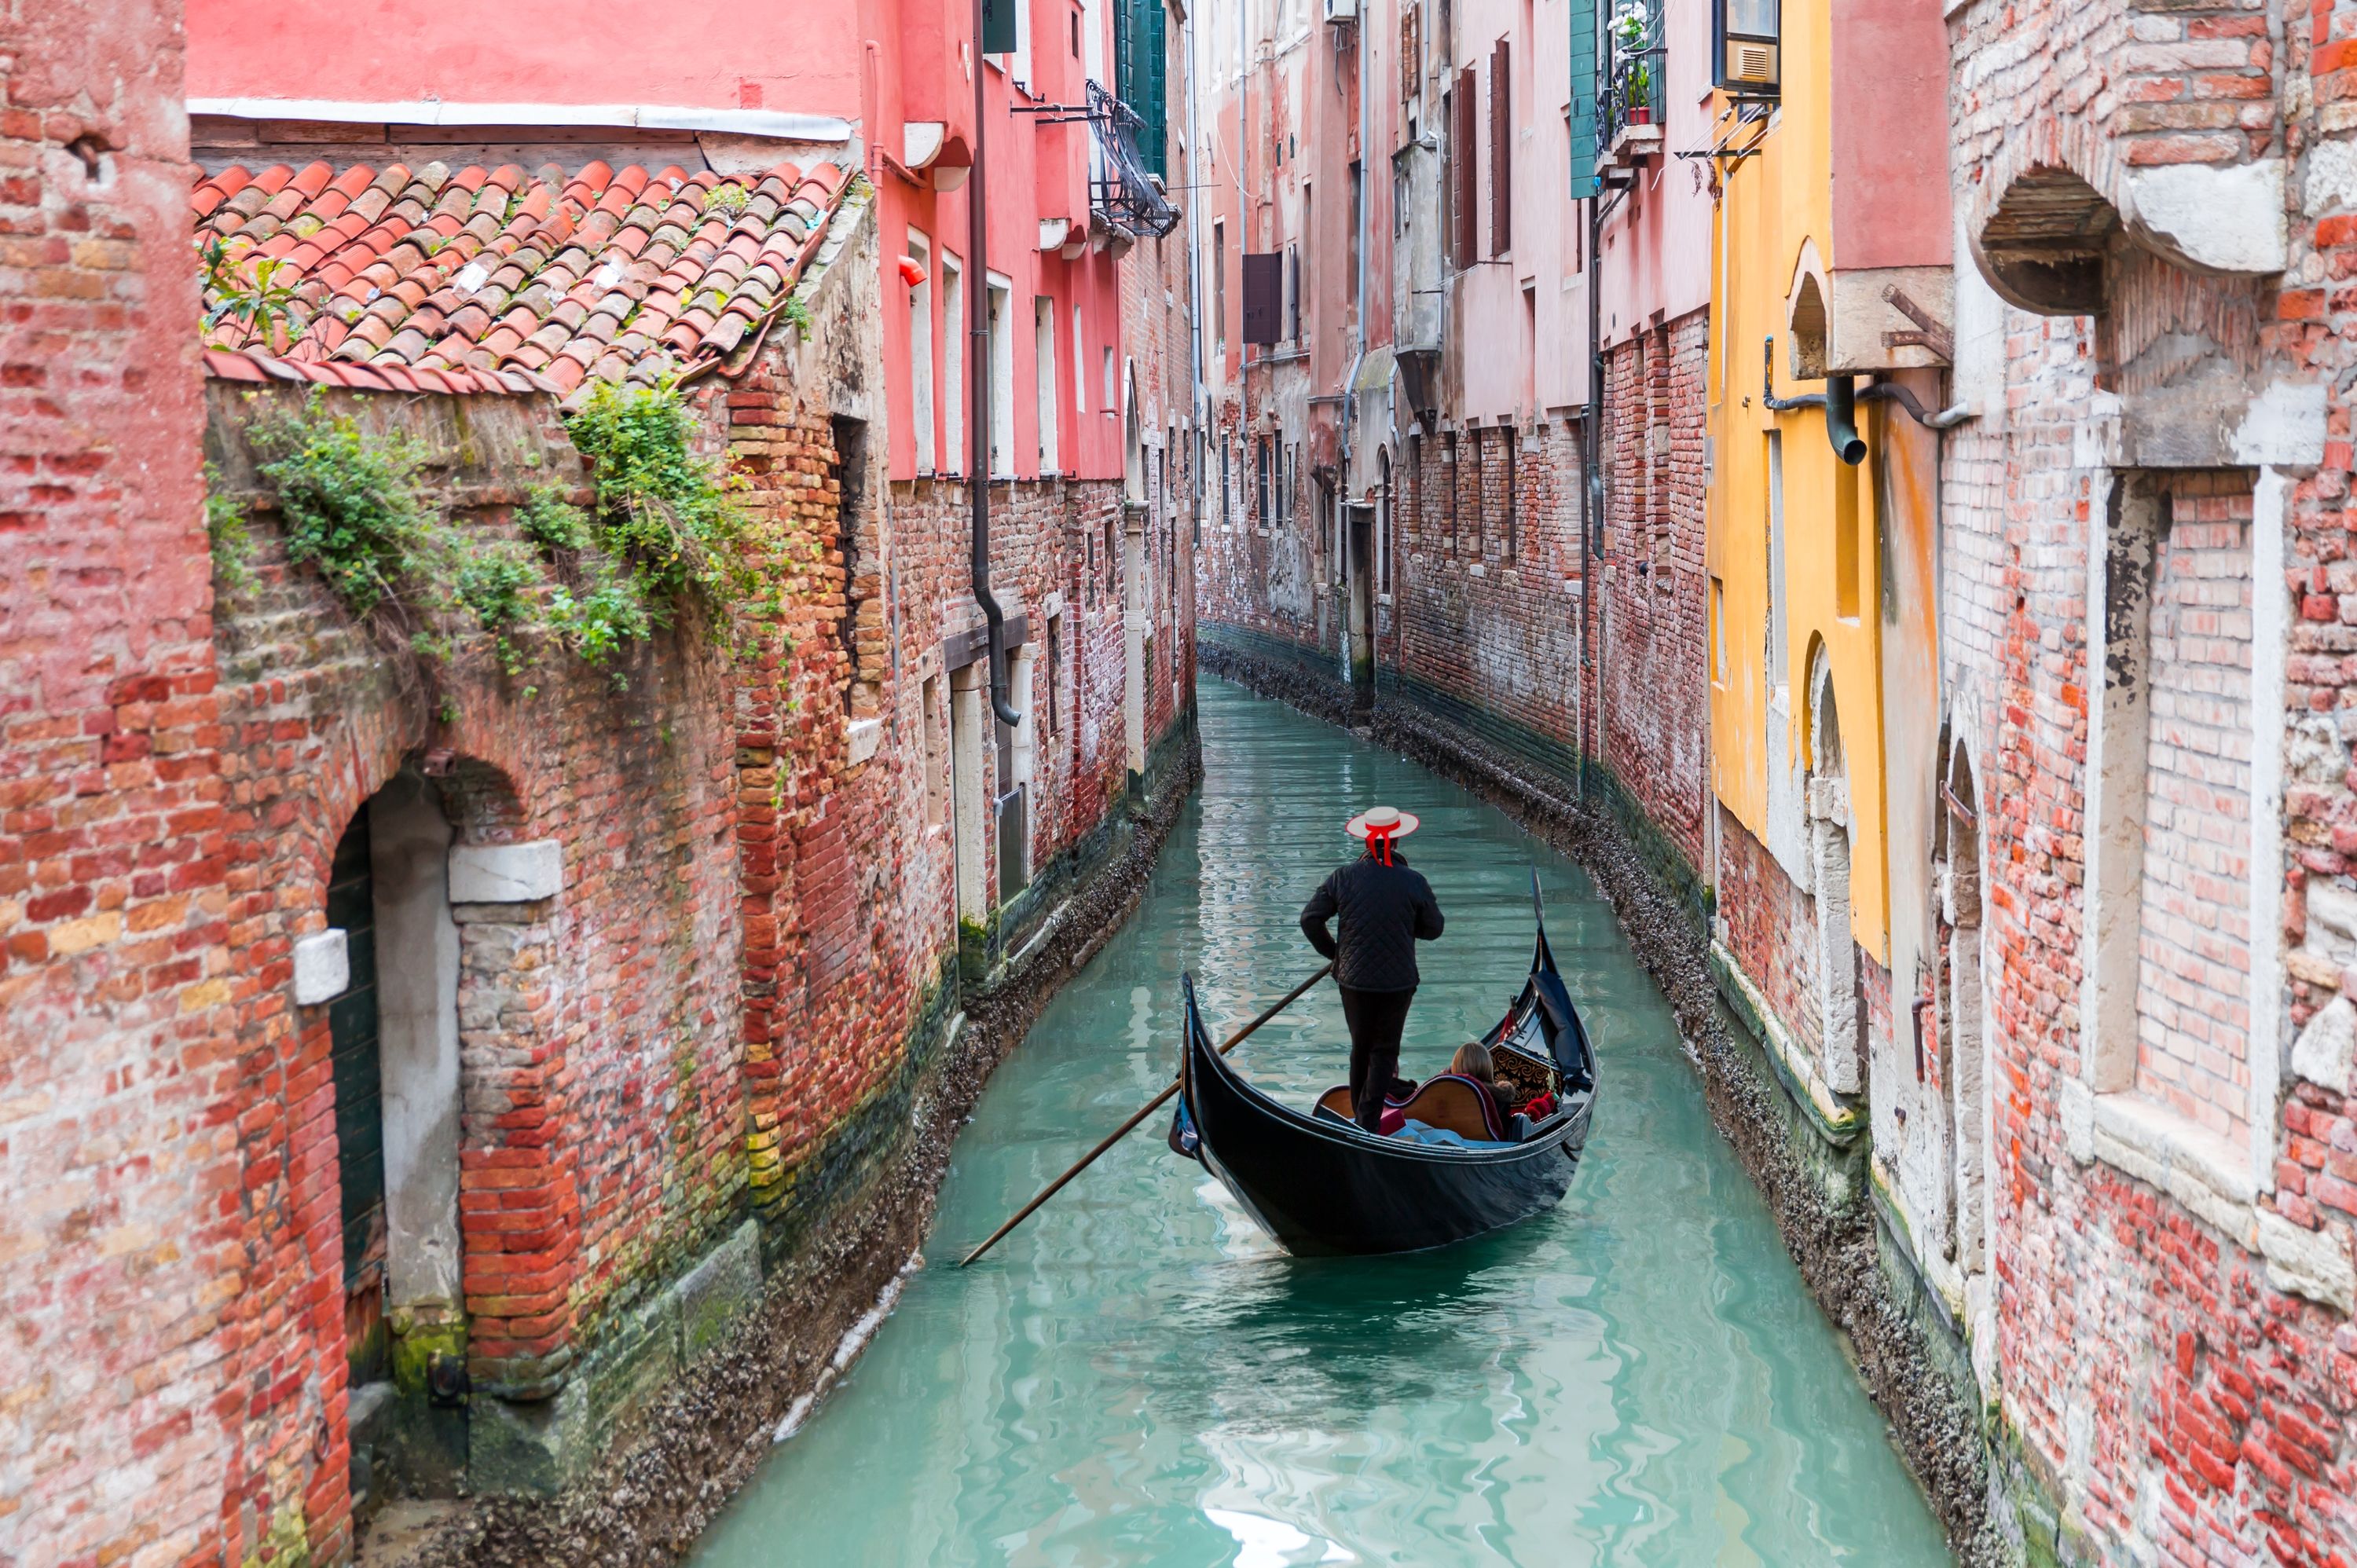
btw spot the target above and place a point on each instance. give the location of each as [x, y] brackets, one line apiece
[1323, 1186]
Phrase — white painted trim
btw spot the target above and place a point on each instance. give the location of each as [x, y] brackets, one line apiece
[2270, 615]
[620, 116]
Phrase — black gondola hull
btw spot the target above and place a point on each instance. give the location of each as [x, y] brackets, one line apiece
[1324, 1193]
[1323, 1186]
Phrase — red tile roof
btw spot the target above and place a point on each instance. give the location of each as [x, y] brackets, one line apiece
[500, 281]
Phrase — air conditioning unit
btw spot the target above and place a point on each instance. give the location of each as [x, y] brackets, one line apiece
[1750, 62]
[1341, 10]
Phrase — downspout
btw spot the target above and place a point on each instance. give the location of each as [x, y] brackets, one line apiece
[1591, 489]
[1359, 358]
[978, 331]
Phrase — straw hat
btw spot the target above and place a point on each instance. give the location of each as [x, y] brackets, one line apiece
[1380, 818]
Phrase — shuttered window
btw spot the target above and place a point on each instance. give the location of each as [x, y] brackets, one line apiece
[1501, 155]
[1583, 101]
[1464, 157]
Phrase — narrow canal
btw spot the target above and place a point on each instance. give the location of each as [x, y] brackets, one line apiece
[1139, 1377]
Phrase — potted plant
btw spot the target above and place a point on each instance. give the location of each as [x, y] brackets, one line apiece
[1630, 24]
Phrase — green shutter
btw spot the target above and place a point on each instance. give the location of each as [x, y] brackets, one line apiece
[1582, 98]
[998, 33]
[1140, 67]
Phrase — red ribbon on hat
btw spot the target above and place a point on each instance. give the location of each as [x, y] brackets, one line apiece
[1379, 841]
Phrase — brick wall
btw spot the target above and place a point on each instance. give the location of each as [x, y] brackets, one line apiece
[753, 919]
[2167, 1369]
[124, 1437]
[1653, 647]
[2193, 1002]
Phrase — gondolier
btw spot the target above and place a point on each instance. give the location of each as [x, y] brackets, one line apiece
[1382, 909]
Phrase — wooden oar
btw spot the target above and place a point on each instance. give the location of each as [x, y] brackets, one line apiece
[1124, 1130]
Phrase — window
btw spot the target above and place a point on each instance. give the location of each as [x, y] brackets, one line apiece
[1043, 376]
[1227, 514]
[1111, 405]
[1717, 632]
[1383, 525]
[1448, 461]
[1019, 63]
[921, 353]
[937, 753]
[1219, 289]
[1264, 456]
[1747, 35]
[1001, 347]
[1358, 211]
[953, 453]
[1080, 365]
[1509, 441]
[1075, 19]
[1502, 150]
[1464, 185]
[1293, 293]
[1055, 674]
[1141, 53]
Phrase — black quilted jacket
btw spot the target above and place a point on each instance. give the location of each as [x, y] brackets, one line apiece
[1384, 911]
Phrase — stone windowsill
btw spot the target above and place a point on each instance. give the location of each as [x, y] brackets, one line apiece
[2213, 1179]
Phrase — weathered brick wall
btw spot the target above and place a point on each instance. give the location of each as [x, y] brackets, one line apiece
[1493, 626]
[1654, 596]
[2193, 1002]
[1770, 926]
[2162, 1357]
[124, 1437]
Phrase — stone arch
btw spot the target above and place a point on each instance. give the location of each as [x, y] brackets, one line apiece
[1968, 1042]
[431, 875]
[1840, 1014]
[2052, 208]
[1806, 315]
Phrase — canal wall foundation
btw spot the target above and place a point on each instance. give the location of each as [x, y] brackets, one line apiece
[672, 1462]
[1816, 1179]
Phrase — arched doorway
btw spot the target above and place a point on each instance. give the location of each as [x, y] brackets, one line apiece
[394, 1043]
[1840, 1018]
[1964, 1031]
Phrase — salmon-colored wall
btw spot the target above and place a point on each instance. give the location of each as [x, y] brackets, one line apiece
[1890, 134]
[876, 64]
[699, 53]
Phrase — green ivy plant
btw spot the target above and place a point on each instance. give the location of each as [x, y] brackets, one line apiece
[225, 533]
[663, 531]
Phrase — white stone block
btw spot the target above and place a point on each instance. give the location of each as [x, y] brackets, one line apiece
[2228, 219]
[2079, 1118]
[2313, 1264]
[506, 872]
[2325, 1050]
[323, 968]
[862, 739]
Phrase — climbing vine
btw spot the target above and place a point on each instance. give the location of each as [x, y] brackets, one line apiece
[663, 534]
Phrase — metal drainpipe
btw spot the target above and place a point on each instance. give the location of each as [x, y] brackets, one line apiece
[978, 459]
[1591, 499]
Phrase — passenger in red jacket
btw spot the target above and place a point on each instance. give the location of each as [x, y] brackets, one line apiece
[1382, 909]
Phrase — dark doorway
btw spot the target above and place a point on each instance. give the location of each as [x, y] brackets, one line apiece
[356, 1060]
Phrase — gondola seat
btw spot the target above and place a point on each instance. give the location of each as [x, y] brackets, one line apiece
[1454, 1103]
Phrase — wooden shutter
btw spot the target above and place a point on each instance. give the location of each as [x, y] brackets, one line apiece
[1264, 297]
[1463, 153]
[1501, 156]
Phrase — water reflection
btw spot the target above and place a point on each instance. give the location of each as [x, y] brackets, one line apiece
[1140, 1377]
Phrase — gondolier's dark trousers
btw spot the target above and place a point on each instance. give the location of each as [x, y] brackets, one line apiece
[1376, 1018]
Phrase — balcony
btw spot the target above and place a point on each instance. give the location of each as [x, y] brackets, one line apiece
[1631, 106]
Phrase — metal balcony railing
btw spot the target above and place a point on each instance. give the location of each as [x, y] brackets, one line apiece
[1630, 103]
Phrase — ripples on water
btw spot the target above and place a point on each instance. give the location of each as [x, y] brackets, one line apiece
[1139, 1376]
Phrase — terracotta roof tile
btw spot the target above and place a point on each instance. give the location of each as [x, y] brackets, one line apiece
[501, 280]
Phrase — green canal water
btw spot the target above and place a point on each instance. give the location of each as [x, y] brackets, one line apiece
[1137, 1376]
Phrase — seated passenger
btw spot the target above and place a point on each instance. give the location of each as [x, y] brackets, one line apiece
[1472, 1061]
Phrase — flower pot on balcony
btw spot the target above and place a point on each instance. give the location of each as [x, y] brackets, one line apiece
[1641, 114]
